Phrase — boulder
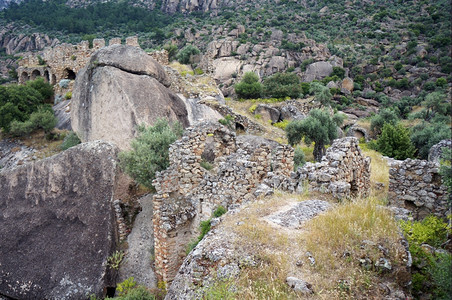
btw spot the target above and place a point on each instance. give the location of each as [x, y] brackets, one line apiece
[63, 114]
[291, 112]
[113, 94]
[268, 113]
[57, 224]
[437, 150]
[347, 85]
[318, 70]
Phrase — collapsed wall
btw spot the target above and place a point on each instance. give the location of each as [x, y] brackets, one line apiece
[343, 172]
[416, 185]
[188, 193]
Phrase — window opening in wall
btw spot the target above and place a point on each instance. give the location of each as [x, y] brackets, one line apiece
[69, 74]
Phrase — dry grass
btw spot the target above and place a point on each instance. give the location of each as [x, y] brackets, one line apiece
[379, 172]
[335, 240]
[38, 141]
[180, 67]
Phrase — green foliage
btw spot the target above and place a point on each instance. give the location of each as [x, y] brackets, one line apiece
[298, 158]
[252, 108]
[395, 142]
[69, 141]
[186, 53]
[221, 289]
[339, 72]
[41, 119]
[44, 88]
[206, 165]
[41, 61]
[432, 268]
[219, 212]
[425, 135]
[68, 96]
[282, 124]
[172, 51]
[115, 259]
[321, 93]
[385, 115]
[126, 286]
[432, 230]
[318, 127]
[249, 87]
[446, 169]
[281, 85]
[228, 121]
[149, 152]
[436, 103]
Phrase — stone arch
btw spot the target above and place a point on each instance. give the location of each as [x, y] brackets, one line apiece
[24, 77]
[53, 79]
[69, 74]
[46, 76]
[239, 128]
[35, 74]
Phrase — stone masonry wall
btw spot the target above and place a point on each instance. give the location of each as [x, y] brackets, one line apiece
[416, 185]
[187, 193]
[343, 172]
[62, 61]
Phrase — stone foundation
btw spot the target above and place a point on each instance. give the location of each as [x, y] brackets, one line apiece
[416, 185]
[187, 193]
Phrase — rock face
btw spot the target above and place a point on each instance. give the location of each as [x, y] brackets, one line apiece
[318, 70]
[57, 225]
[14, 41]
[120, 88]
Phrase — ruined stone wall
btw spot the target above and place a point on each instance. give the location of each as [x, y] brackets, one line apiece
[343, 172]
[416, 185]
[62, 61]
[187, 193]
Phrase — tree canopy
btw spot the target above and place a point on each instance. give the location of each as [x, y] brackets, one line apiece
[249, 87]
[319, 127]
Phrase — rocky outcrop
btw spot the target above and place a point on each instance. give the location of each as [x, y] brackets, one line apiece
[318, 70]
[57, 225]
[14, 41]
[120, 88]
[63, 114]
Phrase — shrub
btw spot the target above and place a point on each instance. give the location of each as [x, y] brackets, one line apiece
[395, 142]
[446, 169]
[20, 128]
[69, 141]
[149, 152]
[249, 87]
[281, 85]
[339, 72]
[44, 88]
[68, 96]
[298, 158]
[425, 135]
[384, 116]
[322, 93]
[186, 53]
[172, 51]
[219, 212]
[282, 125]
[206, 165]
[43, 119]
[228, 121]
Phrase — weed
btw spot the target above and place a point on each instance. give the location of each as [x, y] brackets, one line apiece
[115, 259]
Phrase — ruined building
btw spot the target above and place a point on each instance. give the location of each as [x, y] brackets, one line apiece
[62, 61]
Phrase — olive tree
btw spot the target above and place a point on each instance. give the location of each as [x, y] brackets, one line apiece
[319, 127]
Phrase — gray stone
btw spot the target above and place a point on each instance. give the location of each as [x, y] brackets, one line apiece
[118, 90]
[436, 151]
[268, 113]
[57, 224]
[63, 114]
[318, 70]
[300, 286]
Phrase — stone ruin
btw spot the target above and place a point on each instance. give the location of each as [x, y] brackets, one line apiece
[343, 172]
[187, 193]
[63, 61]
[416, 185]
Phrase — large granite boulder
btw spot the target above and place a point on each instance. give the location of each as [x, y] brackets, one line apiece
[57, 224]
[120, 88]
[318, 70]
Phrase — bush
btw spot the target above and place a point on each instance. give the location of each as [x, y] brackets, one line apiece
[219, 212]
[322, 93]
[425, 135]
[172, 51]
[149, 152]
[44, 88]
[339, 72]
[68, 96]
[281, 85]
[395, 142]
[298, 158]
[69, 141]
[384, 116]
[186, 53]
[249, 87]
[20, 128]
[43, 119]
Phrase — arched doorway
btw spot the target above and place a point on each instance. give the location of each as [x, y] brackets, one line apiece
[35, 74]
[24, 77]
[53, 80]
[69, 74]
[46, 76]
